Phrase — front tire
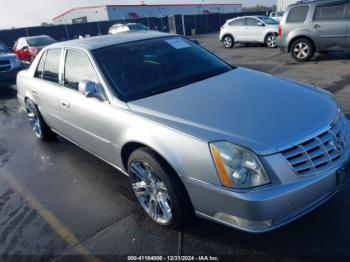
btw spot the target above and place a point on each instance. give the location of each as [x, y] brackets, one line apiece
[228, 41]
[37, 123]
[302, 50]
[271, 40]
[158, 188]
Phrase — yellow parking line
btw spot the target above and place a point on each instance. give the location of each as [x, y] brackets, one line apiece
[50, 218]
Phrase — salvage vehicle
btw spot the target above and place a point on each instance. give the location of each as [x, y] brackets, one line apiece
[249, 29]
[194, 134]
[9, 66]
[315, 26]
[27, 48]
[121, 28]
[277, 16]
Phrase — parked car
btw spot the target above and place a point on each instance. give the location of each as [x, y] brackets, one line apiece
[277, 16]
[27, 48]
[249, 29]
[9, 66]
[193, 133]
[317, 26]
[120, 28]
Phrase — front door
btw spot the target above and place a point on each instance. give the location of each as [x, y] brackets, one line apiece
[331, 26]
[254, 31]
[87, 120]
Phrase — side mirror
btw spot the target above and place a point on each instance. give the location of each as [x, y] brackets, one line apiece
[260, 24]
[89, 89]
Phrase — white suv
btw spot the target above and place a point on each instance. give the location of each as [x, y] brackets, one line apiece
[250, 29]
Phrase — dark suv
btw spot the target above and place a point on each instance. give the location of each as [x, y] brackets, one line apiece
[9, 66]
[315, 26]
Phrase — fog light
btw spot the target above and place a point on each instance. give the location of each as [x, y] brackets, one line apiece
[243, 223]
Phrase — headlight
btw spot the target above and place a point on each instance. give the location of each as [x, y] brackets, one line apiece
[16, 62]
[238, 167]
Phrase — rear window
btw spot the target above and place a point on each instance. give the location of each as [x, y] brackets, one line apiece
[40, 41]
[298, 14]
[329, 12]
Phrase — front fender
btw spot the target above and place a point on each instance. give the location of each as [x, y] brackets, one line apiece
[188, 156]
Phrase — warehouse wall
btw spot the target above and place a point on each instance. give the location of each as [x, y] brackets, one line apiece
[92, 14]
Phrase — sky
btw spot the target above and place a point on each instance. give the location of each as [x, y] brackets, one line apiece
[34, 12]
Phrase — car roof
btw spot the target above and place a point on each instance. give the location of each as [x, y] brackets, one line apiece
[249, 16]
[98, 42]
[305, 2]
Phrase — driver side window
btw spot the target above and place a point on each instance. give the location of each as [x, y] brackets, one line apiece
[77, 69]
[252, 22]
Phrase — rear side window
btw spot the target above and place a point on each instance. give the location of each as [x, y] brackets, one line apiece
[77, 69]
[40, 69]
[52, 64]
[298, 14]
[329, 12]
[238, 22]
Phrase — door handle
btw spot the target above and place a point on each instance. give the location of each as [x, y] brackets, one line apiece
[65, 104]
[317, 26]
[34, 92]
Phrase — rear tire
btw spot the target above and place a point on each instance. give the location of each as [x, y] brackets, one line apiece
[158, 189]
[37, 123]
[228, 41]
[302, 50]
[271, 40]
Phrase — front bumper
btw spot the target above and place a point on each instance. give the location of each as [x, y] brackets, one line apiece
[270, 207]
[9, 77]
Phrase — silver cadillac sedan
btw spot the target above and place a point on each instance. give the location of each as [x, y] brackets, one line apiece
[194, 134]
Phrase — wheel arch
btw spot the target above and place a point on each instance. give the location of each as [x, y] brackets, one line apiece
[300, 37]
[227, 34]
[131, 146]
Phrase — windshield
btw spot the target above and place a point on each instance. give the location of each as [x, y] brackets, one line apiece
[268, 20]
[144, 68]
[137, 27]
[3, 48]
[40, 41]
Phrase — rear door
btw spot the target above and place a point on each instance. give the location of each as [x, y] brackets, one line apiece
[46, 89]
[330, 25]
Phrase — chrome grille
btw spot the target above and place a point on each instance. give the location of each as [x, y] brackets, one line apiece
[5, 65]
[321, 152]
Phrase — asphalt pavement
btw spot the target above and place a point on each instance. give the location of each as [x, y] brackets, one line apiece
[59, 202]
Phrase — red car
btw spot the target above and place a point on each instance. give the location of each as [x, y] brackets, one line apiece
[27, 48]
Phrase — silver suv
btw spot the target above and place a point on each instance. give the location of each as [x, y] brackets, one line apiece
[315, 26]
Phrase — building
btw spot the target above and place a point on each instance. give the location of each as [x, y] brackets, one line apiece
[283, 4]
[121, 12]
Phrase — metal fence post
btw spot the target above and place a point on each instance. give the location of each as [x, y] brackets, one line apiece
[183, 25]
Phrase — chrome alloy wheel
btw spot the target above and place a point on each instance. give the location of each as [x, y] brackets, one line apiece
[301, 50]
[34, 120]
[227, 41]
[151, 192]
[272, 41]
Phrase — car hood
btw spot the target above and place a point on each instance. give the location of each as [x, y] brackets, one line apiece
[251, 109]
